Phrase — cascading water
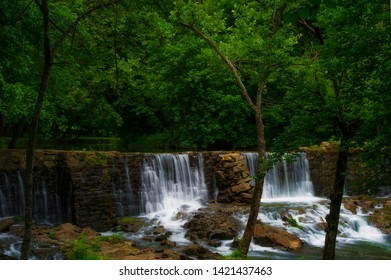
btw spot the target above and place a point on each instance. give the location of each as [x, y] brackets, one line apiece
[168, 181]
[47, 204]
[288, 195]
[171, 186]
[126, 203]
[3, 205]
[287, 180]
[11, 195]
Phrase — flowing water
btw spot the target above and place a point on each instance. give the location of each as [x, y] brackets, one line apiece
[286, 180]
[173, 186]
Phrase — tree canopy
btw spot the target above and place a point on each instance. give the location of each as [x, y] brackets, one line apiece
[133, 72]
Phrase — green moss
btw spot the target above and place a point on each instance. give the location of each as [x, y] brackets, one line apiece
[293, 223]
[127, 220]
[388, 217]
[235, 255]
[112, 239]
[52, 235]
[95, 158]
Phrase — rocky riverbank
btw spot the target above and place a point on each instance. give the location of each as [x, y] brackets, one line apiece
[209, 227]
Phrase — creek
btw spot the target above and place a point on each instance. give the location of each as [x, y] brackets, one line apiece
[172, 188]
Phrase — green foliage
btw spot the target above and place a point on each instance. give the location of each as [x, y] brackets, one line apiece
[293, 223]
[388, 217]
[112, 239]
[234, 255]
[131, 71]
[52, 235]
[81, 249]
[84, 248]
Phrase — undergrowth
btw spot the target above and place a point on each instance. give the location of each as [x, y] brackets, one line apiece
[83, 248]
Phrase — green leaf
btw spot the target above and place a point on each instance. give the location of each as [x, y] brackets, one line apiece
[330, 4]
[304, 11]
[291, 16]
[315, 2]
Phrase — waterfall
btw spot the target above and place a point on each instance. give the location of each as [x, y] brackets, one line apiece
[310, 218]
[41, 205]
[47, 204]
[169, 182]
[285, 179]
[11, 195]
[125, 198]
[21, 194]
[3, 205]
[4, 193]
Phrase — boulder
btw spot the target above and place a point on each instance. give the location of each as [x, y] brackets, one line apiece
[270, 236]
[200, 253]
[213, 223]
[5, 224]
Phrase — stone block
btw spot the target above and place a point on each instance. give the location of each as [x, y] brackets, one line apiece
[242, 187]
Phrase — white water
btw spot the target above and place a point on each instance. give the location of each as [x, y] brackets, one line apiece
[356, 234]
[286, 180]
[171, 188]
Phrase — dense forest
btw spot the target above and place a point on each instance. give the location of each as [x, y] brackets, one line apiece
[130, 70]
[270, 75]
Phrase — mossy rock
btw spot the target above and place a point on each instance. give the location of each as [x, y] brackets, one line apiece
[130, 224]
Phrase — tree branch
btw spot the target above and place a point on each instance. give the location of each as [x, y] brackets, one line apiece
[82, 16]
[230, 65]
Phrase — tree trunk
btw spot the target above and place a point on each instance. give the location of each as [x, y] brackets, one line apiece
[336, 198]
[28, 179]
[244, 244]
[49, 53]
[245, 241]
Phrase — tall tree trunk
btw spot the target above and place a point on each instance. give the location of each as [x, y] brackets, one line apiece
[245, 242]
[28, 179]
[246, 239]
[336, 196]
[49, 54]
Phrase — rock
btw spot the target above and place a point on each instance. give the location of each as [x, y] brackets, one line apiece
[130, 224]
[199, 252]
[242, 187]
[246, 197]
[161, 237]
[381, 217]
[148, 238]
[158, 230]
[233, 178]
[5, 224]
[213, 224]
[16, 229]
[266, 235]
[168, 243]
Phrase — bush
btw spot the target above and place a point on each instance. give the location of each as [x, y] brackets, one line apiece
[82, 250]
